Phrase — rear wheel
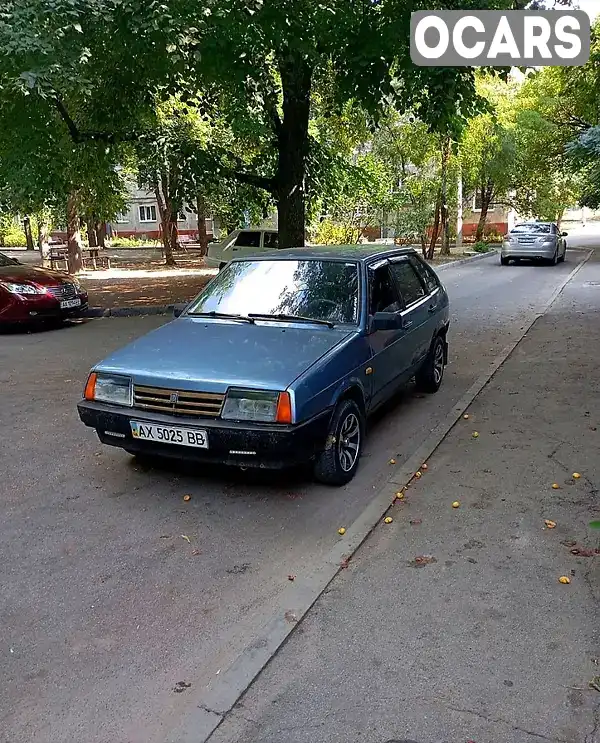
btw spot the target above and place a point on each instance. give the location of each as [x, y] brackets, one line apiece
[430, 375]
[338, 462]
[554, 259]
[563, 256]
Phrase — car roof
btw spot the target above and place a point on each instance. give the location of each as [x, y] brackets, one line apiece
[532, 223]
[332, 252]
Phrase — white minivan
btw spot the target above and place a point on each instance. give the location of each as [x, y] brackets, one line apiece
[240, 243]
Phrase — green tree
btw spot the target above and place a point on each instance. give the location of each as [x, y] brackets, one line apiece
[104, 66]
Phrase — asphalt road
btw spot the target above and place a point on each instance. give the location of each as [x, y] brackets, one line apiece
[105, 606]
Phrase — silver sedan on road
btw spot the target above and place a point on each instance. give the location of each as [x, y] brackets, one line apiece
[535, 241]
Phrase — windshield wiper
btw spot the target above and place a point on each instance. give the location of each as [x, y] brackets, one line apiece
[222, 316]
[290, 318]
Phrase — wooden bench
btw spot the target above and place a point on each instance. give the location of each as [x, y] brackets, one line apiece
[95, 258]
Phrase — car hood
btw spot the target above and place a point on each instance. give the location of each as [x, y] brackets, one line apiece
[42, 276]
[214, 354]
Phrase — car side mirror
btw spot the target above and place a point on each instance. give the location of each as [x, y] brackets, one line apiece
[564, 234]
[178, 310]
[385, 321]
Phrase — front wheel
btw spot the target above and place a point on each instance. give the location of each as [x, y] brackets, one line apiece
[503, 261]
[430, 375]
[338, 462]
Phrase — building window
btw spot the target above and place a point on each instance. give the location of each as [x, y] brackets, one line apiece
[123, 218]
[181, 217]
[148, 213]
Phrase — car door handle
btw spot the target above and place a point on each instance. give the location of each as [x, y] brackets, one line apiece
[432, 308]
[407, 324]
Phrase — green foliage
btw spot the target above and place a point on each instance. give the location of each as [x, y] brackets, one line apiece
[481, 247]
[328, 232]
[133, 242]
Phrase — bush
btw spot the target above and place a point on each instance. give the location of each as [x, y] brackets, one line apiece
[14, 237]
[481, 247]
[328, 232]
[133, 242]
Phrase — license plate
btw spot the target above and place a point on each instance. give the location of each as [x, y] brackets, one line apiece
[169, 434]
[68, 303]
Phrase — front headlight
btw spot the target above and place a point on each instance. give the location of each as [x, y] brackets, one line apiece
[257, 405]
[22, 288]
[109, 388]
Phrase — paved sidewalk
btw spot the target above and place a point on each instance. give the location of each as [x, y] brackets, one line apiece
[450, 625]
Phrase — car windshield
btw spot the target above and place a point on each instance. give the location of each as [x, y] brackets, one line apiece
[320, 290]
[542, 229]
[6, 261]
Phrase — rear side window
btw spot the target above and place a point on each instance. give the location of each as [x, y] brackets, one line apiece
[271, 240]
[426, 274]
[248, 240]
[409, 284]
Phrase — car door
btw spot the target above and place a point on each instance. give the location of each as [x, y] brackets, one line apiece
[418, 313]
[246, 243]
[386, 345]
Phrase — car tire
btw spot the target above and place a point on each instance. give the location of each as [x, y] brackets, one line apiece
[430, 376]
[563, 256]
[504, 261]
[338, 462]
[554, 260]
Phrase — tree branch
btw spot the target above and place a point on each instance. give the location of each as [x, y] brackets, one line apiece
[258, 181]
[91, 136]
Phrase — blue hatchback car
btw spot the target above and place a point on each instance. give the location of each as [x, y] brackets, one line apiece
[278, 361]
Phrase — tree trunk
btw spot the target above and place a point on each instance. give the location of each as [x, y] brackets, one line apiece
[91, 232]
[174, 231]
[42, 241]
[28, 235]
[296, 78]
[486, 200]
[73, 234]
[444, 212]
[424, 244]
[435, 231]
[101, 234]
[165, 210]
[202, 235]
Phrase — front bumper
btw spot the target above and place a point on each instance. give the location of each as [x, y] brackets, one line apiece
[272, 446]
[33, 308]
[533, 252]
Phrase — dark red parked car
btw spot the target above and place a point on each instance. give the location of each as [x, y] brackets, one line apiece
[30, 293]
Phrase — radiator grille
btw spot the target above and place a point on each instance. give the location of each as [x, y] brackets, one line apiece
[64, 291]
[177, 402]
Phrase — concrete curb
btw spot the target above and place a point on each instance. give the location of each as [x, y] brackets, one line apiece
[462, 261]
[214, 702]
[167, 309]
[139, 311]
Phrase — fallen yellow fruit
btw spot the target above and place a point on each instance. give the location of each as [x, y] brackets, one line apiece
[342, 530]
[424, 466]
[392, 461]
[456, 504]
[576, 475]
[186, 498]
[388, 519]
[555, 486]
[550, 524]
[418, 474]
[400, 495]
[475, 435]
[466, 416]
[564, 579]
